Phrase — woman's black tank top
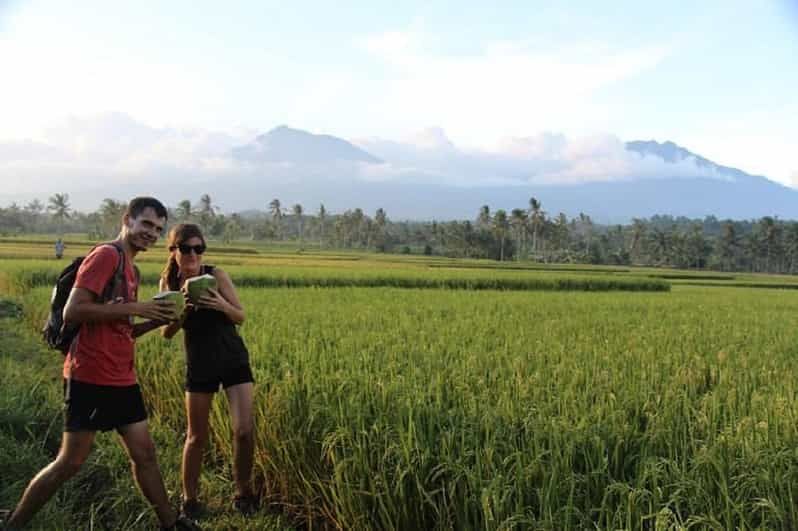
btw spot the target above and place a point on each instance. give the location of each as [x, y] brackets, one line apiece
[212, 342]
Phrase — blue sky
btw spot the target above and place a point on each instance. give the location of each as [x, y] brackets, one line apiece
[718, 77]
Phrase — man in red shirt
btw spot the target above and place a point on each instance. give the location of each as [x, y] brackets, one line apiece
[100, 389]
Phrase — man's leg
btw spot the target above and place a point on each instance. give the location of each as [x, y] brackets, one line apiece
[144, 463]
[75, 448]
[198, 408]
[240, 399]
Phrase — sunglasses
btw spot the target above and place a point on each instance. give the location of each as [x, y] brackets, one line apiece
[185, 249]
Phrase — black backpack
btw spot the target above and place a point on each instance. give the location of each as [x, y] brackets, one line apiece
[56, 333]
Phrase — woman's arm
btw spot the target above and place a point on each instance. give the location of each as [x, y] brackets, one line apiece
[223, 299]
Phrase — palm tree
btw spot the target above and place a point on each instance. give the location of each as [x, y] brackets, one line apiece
[537, 218]
[33, 212]
[791, 247]
[206, 211]
[380, 219]
[769, 231]
[277, 217]
[183, 211]
[697, 246]
[232, 228]
[727, 246]
[206, 206]
[660, 245]
[518, 219]
[483, 219]
[111, 212]
[59, 206]
[322, 215]
[638, 233]
[500, 227]
[560, 231]
[358, 222]
[297, 209]
[586, 225]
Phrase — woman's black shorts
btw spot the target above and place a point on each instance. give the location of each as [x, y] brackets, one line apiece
[91, 407]
[227, 378]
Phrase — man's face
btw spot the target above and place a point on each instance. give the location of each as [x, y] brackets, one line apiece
[144, 230]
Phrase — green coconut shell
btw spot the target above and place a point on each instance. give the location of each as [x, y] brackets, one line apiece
[196, 287]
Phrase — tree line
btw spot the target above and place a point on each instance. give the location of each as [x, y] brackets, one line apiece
[528, 233]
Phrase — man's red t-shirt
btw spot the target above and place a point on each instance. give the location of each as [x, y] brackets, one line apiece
[102, 353]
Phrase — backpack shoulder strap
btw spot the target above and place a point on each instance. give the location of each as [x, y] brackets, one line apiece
[109, 293]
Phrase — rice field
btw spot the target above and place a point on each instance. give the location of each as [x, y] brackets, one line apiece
[455, 405]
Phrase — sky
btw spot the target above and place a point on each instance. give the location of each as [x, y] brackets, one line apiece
[717, 77]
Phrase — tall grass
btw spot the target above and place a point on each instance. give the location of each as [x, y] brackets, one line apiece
[460, 410]
[391, 408]
[21, 275]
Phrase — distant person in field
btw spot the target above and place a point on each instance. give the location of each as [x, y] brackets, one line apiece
[215, 356]
[100, 389]
[59, 248]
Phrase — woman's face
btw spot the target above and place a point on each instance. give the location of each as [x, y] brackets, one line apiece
[188, 259]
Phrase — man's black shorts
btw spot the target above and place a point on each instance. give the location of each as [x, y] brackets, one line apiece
[228, 378]
[91, 407]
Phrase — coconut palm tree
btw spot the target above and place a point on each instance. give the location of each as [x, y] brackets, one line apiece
[537, 219]
[659, 245]
[297, 210]
[586, 226]
[518, 220]
[769, 232]
[183, 211]
[484, 218]
[111, 212]
[61, 210]
[637, 237]
[358, 220]
[322, 215]
[33, 212]
[206, 211]
[727, 246]
[500, 227]
[380, 219]
[791, 247]
[277, 217]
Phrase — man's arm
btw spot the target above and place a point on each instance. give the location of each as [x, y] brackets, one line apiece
[139, 329]
[81, 307]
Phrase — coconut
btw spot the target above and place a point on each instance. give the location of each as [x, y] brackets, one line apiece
[196, 287]
[173, 296]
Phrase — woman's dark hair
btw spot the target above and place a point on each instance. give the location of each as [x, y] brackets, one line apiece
[138, 204]
[178, 234]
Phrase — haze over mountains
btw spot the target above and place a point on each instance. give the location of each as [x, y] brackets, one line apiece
[422, 177]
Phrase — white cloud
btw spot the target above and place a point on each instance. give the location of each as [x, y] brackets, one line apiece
[507, 88]
[545, 159]
[104, 152]
[761, 142]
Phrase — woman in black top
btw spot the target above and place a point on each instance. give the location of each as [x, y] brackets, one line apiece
[215, 355]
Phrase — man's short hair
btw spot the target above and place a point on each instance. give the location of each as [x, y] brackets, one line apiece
[138, 204]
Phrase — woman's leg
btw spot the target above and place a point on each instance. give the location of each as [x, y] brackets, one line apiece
[240, 399]
[198, 407]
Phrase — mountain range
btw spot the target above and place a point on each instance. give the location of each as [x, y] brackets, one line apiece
[425, 176]
[429, 165]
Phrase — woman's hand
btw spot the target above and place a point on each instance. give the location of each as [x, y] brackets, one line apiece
[213, 300]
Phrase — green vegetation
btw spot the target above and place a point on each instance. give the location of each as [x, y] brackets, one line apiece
[509, 408]
[525, 235]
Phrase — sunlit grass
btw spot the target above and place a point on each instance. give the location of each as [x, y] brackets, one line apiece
[388, 408]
